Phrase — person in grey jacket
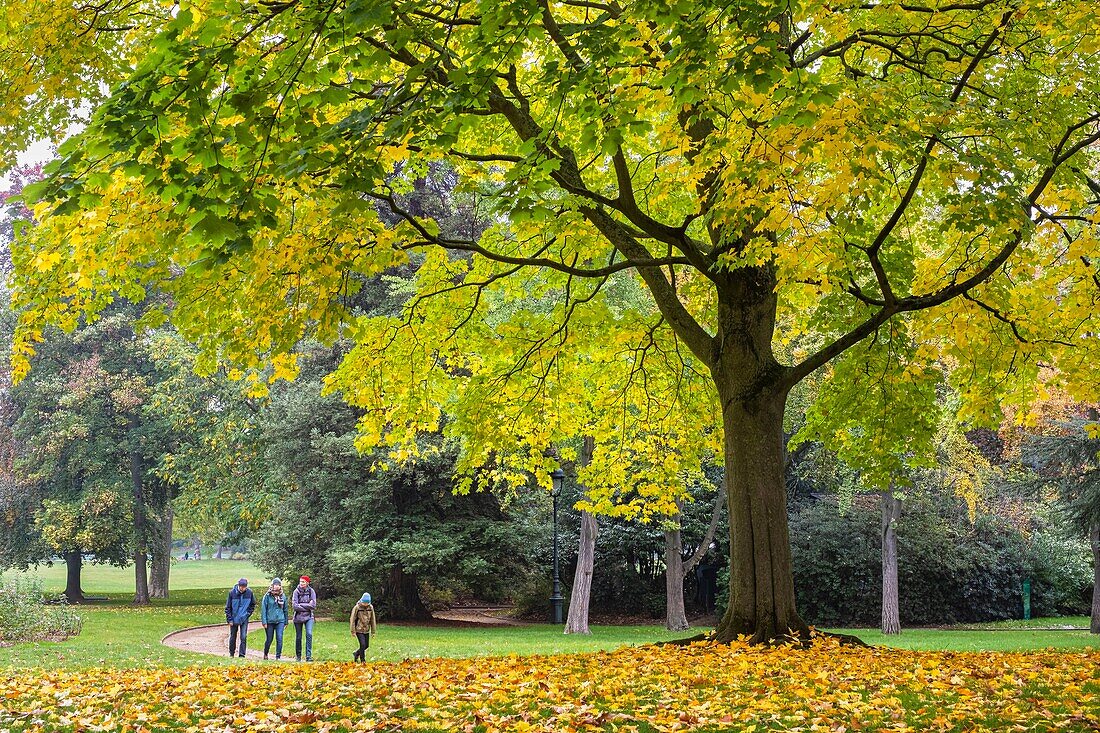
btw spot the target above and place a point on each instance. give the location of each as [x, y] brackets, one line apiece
[304, 601]
[238, 607]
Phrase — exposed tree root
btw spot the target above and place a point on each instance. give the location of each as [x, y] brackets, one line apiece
[798, 640]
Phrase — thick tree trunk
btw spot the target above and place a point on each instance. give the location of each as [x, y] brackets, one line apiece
[891, 512]
[1094, 536]
[580, 596]
[161, 546]
[141, 531]
[762, 602]
[401, 595]
[675, 615]
[74, 562]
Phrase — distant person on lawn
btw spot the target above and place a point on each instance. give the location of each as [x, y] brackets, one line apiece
[274, 615]
[304, 600]
[238, 607]
[363, 624]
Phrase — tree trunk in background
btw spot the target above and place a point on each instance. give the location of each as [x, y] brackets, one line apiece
[73, 564]
[675, 615]
[141, 531]
[401, 596]
[580, 596]
[891, 512]
[218, 556]
[1094, 536]
[161, 546]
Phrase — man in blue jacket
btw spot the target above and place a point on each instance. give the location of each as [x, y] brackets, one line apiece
[238, 607]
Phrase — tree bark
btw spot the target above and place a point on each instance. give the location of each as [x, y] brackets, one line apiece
[401, 594]
[1094, 537]
[891, 512]
[580, 596]
[141, 530]
[161, 546]
[74, 562]
[762, 601]
[675, 615]
[704, 546]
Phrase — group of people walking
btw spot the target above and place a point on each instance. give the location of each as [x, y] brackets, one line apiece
[277, 611]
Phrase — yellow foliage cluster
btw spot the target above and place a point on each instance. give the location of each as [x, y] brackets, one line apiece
[701, 687]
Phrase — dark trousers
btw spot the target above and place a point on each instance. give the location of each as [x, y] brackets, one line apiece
[275, 632]
[235, 629]
[364, 642]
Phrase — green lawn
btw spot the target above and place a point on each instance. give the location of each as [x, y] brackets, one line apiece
[116, 634]
[1034, 623]
[118, 583]
[992, 640]
[122, 636]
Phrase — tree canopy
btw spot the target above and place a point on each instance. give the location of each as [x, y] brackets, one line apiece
[688, 209]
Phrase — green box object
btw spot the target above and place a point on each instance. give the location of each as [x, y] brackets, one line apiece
[1027, 598]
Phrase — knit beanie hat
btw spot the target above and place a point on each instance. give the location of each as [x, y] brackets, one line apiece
[365, 598]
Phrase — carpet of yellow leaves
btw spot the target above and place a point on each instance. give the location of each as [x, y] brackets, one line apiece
[826, 688]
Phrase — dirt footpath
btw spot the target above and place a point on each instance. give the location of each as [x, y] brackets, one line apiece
[487, 616]
[214, 639]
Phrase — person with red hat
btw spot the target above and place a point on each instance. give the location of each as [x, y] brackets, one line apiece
[304, 602]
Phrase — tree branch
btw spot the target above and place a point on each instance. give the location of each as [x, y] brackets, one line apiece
[704, 545]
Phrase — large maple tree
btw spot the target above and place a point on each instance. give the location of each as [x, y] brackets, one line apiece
[900, 192]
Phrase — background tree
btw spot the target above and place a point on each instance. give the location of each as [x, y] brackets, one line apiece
[1069, 458]
[70, 465]
[396, 529]
[580, 594]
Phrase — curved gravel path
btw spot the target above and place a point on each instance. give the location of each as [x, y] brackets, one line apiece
[214, 638]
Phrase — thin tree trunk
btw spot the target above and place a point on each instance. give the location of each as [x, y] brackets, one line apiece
[762, 601]
[74, 562]
[218, 555]
[580, 596]
[1094, 536]
[712, 529]
[675, 615]
[891, 512]
[160, 525]
[141, 531]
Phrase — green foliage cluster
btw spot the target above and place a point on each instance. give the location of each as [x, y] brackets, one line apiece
[26, 614]
[949, 569]
[359, 522]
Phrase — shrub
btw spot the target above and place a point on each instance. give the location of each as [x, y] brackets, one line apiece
[27, 615]
[1061, 573]
[949, 569]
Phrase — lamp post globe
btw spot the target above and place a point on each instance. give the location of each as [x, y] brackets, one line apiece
[557, 477]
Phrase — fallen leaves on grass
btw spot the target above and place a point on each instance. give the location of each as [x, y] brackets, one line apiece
[700, 687]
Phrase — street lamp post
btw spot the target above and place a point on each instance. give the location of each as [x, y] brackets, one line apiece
[558, 478]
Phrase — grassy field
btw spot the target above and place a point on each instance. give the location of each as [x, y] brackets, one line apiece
[116, 634]
[1008, 640]
[118, 583]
